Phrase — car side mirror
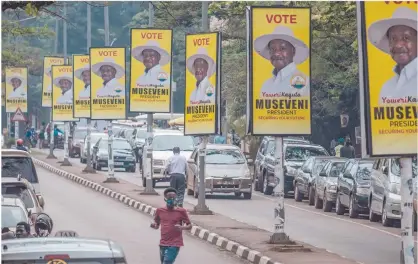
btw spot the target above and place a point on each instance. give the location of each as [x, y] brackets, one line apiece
[41, 201]
[191, 161]
[347, 176]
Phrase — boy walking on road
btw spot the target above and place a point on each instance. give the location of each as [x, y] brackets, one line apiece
[173, 221]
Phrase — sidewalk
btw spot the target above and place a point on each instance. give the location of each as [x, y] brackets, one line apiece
[242, 239]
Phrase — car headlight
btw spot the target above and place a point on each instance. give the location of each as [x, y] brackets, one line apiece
[362, 190]
[290, 170]
[332, 187]
[103, 156]
[394, 188]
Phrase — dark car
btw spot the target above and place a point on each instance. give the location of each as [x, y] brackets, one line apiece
[305, 178]
[353, 187]
[76, 140]
[123, 156]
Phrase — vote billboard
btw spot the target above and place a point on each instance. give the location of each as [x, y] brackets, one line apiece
[16, 89]
[203, 84]
[390, 75]
[107, 71]
[279, 40]
[151, 73]
[62, 93]
[46, 79]
[81, 91]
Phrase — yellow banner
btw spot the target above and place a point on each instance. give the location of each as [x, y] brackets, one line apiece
[202, 84]
[108, 99]
[46, 79]
[3, 94]
[16, 89]
[62, 93]
[81, 77]
[391, 74]
[150, 70]
[279, 90]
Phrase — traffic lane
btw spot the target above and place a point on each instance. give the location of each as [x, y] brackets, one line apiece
[90, 214]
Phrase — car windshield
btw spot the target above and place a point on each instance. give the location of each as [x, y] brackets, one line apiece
[396, 167]
[23, 193]
[302, 153]
[141, 134]
[227, 156]
[11, 215]
[319, 165]
[117, 144]
[128, 132]
[336, 168]
[13, 166]
[168, 142]
[364, 171]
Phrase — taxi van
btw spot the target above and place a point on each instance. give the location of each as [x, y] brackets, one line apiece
[61, 250]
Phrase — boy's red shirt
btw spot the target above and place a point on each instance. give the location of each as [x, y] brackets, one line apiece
[168, 218]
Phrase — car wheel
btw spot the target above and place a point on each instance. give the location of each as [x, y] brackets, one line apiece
[154, 183]
[256, 185]
[237, 194]
[372, 216]
[327, 204]
[352, 208]
[260, 183]
[311, 195]
[267, 190]
[196, 188]
[98, 167]
[144, 182]
[247, 196]
[318, 202]
[298, 195]
[339, 208]
[385, 220]
[414, 221]
[133, 169]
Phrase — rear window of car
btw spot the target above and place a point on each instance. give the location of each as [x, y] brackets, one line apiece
[11, 215]
[23, 193]
[302, 153]
[13, 166]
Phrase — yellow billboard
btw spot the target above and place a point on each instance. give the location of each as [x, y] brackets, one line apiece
[390, 60]
[202, 95]
[150, 82]
[279, 71]
[107, 71]
[81, 77]
[62, 93]
[16, 89]
[46, 79]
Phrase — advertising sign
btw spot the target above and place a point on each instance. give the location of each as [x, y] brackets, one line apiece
[62, 93]
[150, 82]
[279, 71]
[107, 71]
[203, 84]
[81, 77]
[46, 79]
[16, 89]
[390, 73]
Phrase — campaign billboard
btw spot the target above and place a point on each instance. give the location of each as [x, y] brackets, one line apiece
[81, 91]
[46, 78]
[16, 89]
[62, 93]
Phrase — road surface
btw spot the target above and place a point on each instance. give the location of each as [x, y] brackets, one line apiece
[357, 239]
[90, 214]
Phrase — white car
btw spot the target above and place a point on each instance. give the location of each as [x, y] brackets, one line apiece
[13, 211]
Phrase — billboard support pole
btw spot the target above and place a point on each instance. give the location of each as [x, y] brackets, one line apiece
[201, 208]
[9, 127]
[17, 130]
[88, 168]
[407, 192]
[66, 161]
[147, 165]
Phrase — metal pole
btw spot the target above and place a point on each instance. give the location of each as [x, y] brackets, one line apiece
[89, 168]
[17, 135]
[407, 231]
[66, 161]
[51, 126]
[147, 165]
[201, 207]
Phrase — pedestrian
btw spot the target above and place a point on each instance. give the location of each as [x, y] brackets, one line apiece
[337, 149]
[173, 221]
[219, 139]
[23, 230]
[28, 136]
[57, 131]
[235, 139]
[347, 151]
[177, 169]
[332, 146]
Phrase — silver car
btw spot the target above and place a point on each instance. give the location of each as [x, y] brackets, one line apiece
[94, 137]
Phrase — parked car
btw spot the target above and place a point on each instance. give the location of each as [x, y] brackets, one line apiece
[13, 211]
[123, 156]
[295, 155]
[76, 140]
[305, 178]
[326, 184]
[353, 187]
[94, 137]
[226, 171]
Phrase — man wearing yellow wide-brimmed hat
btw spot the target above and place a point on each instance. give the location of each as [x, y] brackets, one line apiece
[17, 82]
[109, 71]
[65, 82]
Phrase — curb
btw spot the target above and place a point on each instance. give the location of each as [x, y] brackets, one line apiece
[212, 238]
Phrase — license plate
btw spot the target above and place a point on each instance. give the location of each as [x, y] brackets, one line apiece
[118, 163]
[158, 171]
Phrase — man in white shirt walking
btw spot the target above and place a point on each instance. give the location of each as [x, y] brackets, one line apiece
[202, 67]
[84, 75]
[153, 57]
[109, 71]
[177, 169]
[17, 81]
[397, 36]
[284, 51]
[65, 82]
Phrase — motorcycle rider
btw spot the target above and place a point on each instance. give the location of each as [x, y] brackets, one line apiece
[19, 145]
[43, 225]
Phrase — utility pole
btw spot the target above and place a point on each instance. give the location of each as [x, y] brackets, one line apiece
[66, 162]
[51, 126]
[407, 231]
[89, 168]
[201, 208]
[147, 165]
[110, 163]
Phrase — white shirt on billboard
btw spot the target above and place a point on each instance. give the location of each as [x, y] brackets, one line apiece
[109, 89]
[200, 93]
[66, 98]
[403, 84]
[85, 93]
[18, 93]
[282, 83]
[151, 77]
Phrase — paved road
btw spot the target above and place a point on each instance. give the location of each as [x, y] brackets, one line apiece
[91, 214]
[357, 239]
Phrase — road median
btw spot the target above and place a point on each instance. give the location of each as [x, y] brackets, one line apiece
[246, 241]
